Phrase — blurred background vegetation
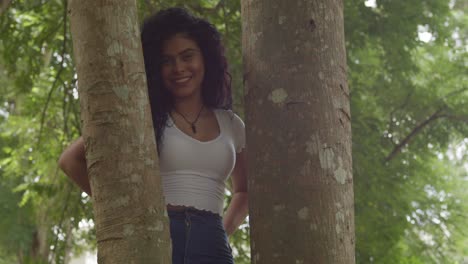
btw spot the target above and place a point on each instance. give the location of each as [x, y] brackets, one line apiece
[408, 79]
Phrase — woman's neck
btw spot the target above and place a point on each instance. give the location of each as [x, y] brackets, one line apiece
[189, 107]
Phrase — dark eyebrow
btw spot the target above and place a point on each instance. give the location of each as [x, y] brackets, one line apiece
[182, 52]
[187, 50]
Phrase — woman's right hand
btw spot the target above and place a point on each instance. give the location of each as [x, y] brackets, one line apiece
[73, 163]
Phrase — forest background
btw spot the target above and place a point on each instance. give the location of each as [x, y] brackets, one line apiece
[407, 73]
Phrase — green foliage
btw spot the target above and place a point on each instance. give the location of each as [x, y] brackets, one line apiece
[407, 98]
[16, 224]
[409, 121]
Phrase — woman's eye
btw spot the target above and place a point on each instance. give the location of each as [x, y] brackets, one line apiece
[187, 57]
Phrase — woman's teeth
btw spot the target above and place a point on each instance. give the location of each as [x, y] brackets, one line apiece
[182, 80]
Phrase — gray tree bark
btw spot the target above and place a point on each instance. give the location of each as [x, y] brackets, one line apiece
[4, 5]
[298, 132]
[131, 221]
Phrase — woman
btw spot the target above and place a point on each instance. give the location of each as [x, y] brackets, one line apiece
[200, 141]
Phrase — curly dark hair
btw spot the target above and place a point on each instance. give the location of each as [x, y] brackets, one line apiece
[216, 85]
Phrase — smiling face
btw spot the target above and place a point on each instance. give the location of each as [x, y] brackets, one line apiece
[182, 67]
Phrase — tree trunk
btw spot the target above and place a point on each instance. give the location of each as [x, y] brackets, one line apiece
[298, 132]
[4, 5]
[68, 245]
[131, 221]
[40, 248]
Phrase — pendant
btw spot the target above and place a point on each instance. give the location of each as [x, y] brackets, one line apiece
[194, 129]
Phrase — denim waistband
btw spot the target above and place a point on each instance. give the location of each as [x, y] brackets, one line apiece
[192, 211]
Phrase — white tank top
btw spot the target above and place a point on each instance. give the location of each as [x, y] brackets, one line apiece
[193, 172]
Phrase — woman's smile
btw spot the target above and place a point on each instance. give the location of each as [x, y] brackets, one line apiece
[182, 80]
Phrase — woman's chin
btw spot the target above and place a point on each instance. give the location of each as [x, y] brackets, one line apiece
[184, 93]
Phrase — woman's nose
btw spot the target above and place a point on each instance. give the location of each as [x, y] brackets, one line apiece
[178, 65]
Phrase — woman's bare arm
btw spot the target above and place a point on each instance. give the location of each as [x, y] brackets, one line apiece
[73, 163]
[238, 208]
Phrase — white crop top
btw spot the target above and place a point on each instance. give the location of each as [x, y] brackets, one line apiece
[193, 172]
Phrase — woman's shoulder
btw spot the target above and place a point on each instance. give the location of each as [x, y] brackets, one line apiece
[229, 115]
[235, 126]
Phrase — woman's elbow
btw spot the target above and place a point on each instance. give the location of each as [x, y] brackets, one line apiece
[62, 162]
[72, 154]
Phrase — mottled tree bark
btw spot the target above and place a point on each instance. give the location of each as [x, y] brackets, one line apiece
[131, 223]
[39, 251]
[298, 132]
[4, 5]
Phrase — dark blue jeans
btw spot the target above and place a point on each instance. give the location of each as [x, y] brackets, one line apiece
[198, 237]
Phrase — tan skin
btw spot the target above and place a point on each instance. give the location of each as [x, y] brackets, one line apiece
[182, 72]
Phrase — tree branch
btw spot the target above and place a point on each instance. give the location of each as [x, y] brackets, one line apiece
[57, 76]
[397, 149]
[418, 128]
[226, 26]
[462, 118]
[62, 217]
[65, 107]
[401, 107]
[454, 93]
